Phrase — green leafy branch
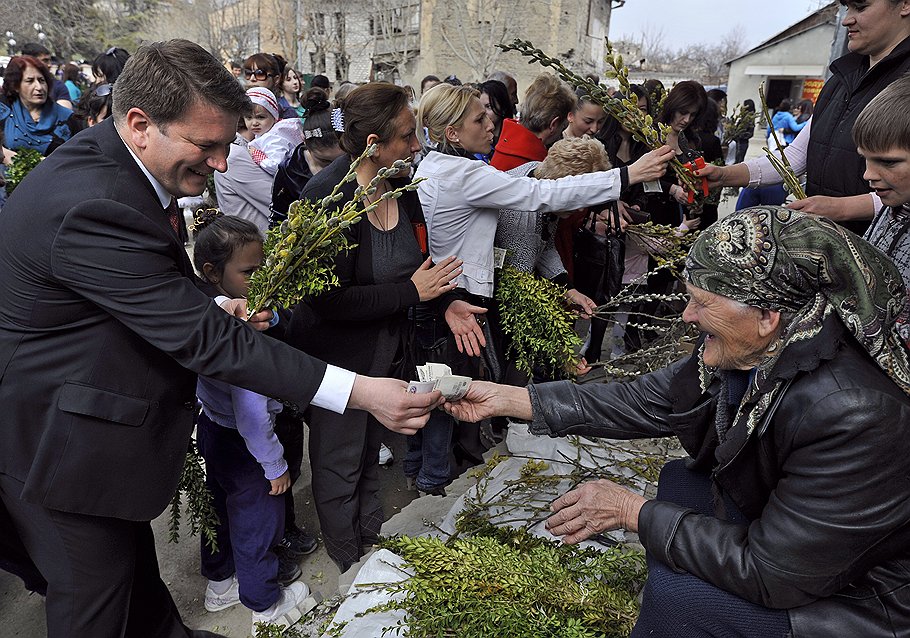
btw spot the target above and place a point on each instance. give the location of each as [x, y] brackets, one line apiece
[540, 327]
[300, 252]
[21, 165]
[508, 582]
[202, 514]
[492, 578]
[624, 109]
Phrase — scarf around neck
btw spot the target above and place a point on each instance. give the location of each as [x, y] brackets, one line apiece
[776, 258]
[22, 131]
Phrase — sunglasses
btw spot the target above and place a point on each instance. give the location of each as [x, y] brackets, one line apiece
[259, 74]
[103, 90]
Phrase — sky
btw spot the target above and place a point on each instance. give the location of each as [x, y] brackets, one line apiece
[699, 21]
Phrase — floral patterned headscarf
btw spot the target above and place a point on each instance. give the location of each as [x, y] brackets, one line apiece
[780, 259]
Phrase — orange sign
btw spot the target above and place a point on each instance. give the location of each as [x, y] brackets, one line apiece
[811, 88]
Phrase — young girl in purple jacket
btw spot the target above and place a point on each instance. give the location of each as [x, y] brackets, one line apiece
[246, 471]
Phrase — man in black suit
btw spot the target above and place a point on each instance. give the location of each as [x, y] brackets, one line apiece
[101, 338]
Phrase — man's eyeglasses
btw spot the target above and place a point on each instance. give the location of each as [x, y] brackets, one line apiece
[103, 90]
[259, 74]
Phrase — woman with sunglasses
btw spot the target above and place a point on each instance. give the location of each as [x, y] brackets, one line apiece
[95, 104]
[267, 70]
[107, 67]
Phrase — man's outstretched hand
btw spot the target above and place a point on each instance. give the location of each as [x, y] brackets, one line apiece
[391, 404]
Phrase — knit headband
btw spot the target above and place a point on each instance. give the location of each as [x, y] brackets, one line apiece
[266, 99]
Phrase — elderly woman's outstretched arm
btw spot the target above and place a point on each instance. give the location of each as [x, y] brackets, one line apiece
[634, 410]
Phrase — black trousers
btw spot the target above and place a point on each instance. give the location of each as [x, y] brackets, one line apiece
[680, 605]
[344, 457]
[102, 573]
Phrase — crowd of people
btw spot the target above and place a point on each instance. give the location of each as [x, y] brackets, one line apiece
[790, 517]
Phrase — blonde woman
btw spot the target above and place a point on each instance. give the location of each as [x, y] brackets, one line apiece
[461, 199]
[530, 236]
[462, 196]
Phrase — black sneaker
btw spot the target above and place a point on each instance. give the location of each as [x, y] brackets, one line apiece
[288, 570]
[297, 543]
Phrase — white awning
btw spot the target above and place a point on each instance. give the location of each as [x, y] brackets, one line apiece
[787, 70]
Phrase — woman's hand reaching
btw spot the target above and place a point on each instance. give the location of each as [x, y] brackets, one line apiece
[432, 281]
[651, 166]
[462, 319]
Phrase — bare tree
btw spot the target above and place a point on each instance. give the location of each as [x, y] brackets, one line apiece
[229, 30]
[708, 63]
[70, 27]
[395, 26]
[324, 23]
[17, 17]
[473, 29]
[282, 29]
[704, 62]
[649, 45]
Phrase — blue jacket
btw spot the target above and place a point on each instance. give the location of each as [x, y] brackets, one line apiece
[784, 120]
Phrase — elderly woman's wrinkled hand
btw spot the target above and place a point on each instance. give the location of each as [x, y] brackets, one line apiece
[592, 508]
[484, 400]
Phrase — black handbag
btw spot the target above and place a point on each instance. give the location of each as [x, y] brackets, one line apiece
[599, 260]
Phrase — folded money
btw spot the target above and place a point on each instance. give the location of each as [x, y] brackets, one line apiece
[438, 376]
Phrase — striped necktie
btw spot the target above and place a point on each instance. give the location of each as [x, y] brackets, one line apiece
[172, 215]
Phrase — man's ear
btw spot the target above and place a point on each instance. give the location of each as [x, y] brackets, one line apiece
[137, 125]
[768, 323]
[555, 123]
[210, 273]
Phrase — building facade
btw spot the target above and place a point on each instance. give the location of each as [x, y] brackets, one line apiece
[403, 40]
[792, 64]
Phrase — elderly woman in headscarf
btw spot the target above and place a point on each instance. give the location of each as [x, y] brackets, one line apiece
[792, 515]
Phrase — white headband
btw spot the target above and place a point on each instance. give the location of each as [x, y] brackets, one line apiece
[266, 99]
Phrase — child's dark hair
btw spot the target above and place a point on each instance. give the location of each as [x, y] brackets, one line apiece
[94, 101]
[218, 236]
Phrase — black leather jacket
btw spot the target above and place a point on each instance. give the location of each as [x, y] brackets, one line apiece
[823, 479]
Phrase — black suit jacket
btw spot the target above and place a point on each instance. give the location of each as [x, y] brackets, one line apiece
[103, 333]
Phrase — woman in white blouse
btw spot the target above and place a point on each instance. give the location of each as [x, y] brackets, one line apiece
[462, 196]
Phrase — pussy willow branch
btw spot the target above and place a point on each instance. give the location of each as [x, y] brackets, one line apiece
[782, 165]
[625, 110]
